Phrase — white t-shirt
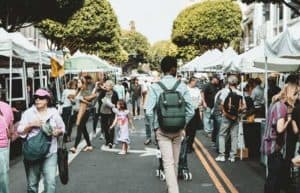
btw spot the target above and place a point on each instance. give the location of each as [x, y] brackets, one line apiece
[64, 99]
[196, 97]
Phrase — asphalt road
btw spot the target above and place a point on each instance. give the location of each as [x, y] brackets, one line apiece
[107, 172]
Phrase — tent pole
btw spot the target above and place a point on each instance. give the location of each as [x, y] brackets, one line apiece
[266, 86]
[266, 103]
[25, 81]
[10, 78]
[41, 70]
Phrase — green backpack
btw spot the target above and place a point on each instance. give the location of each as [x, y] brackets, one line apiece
[37, 147]
[171, 109]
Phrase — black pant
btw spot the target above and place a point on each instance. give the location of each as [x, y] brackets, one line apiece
[106, 122]
[81, 129]
[274, 179]
[71, 124]
[191, 129]
[66, 116]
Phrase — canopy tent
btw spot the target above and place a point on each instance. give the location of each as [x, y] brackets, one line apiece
[286, 44]
[81, 62]
[282, 54]
[240, 67]
[278, 64]
[197, 63]
[245, 62]
[15, 45]
[218, 64]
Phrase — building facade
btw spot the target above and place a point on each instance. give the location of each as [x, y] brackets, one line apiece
[34, 35]
[265, 20]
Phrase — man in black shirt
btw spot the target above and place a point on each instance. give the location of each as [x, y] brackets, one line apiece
[208, 95]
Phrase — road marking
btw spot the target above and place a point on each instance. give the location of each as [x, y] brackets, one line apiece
[217, 167]
[71, 156]
[147, 152]
[209, 170]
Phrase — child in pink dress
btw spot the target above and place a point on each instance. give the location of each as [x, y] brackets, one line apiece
[122, 121]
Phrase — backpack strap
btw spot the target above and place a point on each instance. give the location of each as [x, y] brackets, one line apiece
[162, 86]
[176, 85]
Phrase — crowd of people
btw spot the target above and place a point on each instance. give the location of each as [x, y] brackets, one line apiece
[217, 107]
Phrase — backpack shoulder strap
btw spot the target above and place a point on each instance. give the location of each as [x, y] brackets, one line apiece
[162, 86]
[176, 85]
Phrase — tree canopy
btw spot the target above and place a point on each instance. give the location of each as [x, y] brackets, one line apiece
[208, 24]
[137, 47]
[93, 29]
[135, 44]
[292, 4]
[14, 14]
[159, 50]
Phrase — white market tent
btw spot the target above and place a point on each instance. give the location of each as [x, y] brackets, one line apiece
[282, 54]
[199, 62]
[286, 44]
[218, 64]
[245, 62]
[15, 45]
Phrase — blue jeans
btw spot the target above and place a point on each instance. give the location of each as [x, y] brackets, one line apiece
[207, 122]
[147, 126]
[47, 168]
[136, 103]
[4, 166]
[216, 130]
[232, 127]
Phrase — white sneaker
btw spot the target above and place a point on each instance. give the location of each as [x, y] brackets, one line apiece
[231, 159]
[220, 158]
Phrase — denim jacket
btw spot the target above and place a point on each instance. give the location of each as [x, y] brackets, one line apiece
[153, 96]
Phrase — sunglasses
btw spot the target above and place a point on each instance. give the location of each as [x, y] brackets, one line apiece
[40, 97]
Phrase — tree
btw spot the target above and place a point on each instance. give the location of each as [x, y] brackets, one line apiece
[15, 14]
[292, 4]
[136, 45]
[159, 50]
[93, 29]
[209, 24]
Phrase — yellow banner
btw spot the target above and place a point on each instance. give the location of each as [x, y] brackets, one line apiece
[57, 70]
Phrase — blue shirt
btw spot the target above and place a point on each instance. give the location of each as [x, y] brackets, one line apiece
[153, 96]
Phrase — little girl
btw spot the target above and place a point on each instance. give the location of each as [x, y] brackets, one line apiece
[122, 121]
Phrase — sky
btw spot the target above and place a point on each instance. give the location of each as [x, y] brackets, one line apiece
[153, 18]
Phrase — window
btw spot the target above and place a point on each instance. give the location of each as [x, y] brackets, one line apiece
[18, 89]
[280, 7]
[266, 11]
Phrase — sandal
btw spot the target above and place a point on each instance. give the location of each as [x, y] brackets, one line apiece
[73, 150]
[88, 149]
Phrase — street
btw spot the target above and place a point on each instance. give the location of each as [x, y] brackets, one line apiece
[108, 172]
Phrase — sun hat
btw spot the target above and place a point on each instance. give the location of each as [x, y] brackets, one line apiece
[42, 93]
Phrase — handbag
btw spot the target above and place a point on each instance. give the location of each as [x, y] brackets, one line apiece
[62, 162]
[37, 147]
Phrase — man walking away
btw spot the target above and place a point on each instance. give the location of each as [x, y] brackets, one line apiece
[232, 104]
[6, 121]
[136, 94]
[257, 96]
[119, 88]
[157, 105]
[195, 121]
[208, 95]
